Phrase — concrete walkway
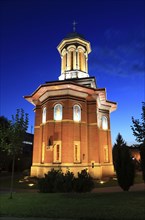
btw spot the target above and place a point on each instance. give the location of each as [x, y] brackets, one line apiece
[135, 187]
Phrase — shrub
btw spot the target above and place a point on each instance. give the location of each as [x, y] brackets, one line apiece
[52, 182]
[56, 181]
[43, 185]
[68, 181]
[84, 182]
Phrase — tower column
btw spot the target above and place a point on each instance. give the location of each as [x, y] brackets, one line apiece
[77, 60]
[68, 60]
[86, 62]
[74, 60]
[62, 64]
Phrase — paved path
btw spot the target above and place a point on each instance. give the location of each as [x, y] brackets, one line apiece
[29, 218]
[135, 187]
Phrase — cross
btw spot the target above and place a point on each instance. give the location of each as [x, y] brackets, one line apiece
[74, 26]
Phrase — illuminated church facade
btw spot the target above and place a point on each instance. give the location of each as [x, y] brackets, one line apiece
[72, 117]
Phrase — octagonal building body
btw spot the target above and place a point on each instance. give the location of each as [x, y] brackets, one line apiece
[72, 117]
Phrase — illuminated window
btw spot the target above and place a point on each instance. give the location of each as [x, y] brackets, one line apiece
[58, 112]
[76, 113]
[44, 115]
[104, 123]
[57, 152]
[76, 152]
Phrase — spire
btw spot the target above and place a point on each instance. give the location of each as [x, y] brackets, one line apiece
[74, 26]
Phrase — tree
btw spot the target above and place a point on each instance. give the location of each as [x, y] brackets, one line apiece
[123, 164]
[119, 143]
[4, 140]
[13, 138]
[138, 129]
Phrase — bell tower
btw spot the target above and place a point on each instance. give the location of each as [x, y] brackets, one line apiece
[74, 50]
[72, 117]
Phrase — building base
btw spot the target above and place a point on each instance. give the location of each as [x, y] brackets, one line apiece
[97, 172]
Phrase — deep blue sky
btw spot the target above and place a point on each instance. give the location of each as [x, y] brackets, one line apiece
[31, 30]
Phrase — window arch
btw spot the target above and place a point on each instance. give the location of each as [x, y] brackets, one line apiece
[104, 123]
[44, 115]
[58, 112]
[76, 113]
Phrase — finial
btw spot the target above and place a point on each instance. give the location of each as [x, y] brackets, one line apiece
[74, 26]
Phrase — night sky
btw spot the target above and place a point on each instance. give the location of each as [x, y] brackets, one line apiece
[31, 30]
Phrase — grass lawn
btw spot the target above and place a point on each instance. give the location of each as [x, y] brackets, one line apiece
[121, 205]
[21, 181]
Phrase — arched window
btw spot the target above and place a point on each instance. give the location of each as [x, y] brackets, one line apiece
[58, 112]
[104, 123]
[76, 113]
[44, 115]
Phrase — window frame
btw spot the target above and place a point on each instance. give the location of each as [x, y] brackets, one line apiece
[104, 123]
[75, 117]
[55, 116]
[44, 111]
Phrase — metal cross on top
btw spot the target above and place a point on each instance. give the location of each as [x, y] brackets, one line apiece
[74, 26]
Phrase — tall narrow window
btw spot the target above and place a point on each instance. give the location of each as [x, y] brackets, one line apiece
[106, 156]
[44, 115]
[76, 113]
[58, 112]
[57, 152]
[76, 151]
[43, 152]
[104, 123]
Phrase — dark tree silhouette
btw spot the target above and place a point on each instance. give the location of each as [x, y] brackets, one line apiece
[123, 164]
[138, 129]
[12, 136]
[138, 126]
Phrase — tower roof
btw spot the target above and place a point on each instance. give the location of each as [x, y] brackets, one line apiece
[72, 38]
[74, 35]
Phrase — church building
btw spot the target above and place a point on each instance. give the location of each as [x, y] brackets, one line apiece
[72, 117]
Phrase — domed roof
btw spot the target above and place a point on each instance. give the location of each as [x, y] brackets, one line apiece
[74, 35]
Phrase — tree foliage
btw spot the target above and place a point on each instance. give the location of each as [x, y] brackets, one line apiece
[12, 135]
[12, 132]
[4, 133]
[138, 129]
[123, 164]
[138, 126]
